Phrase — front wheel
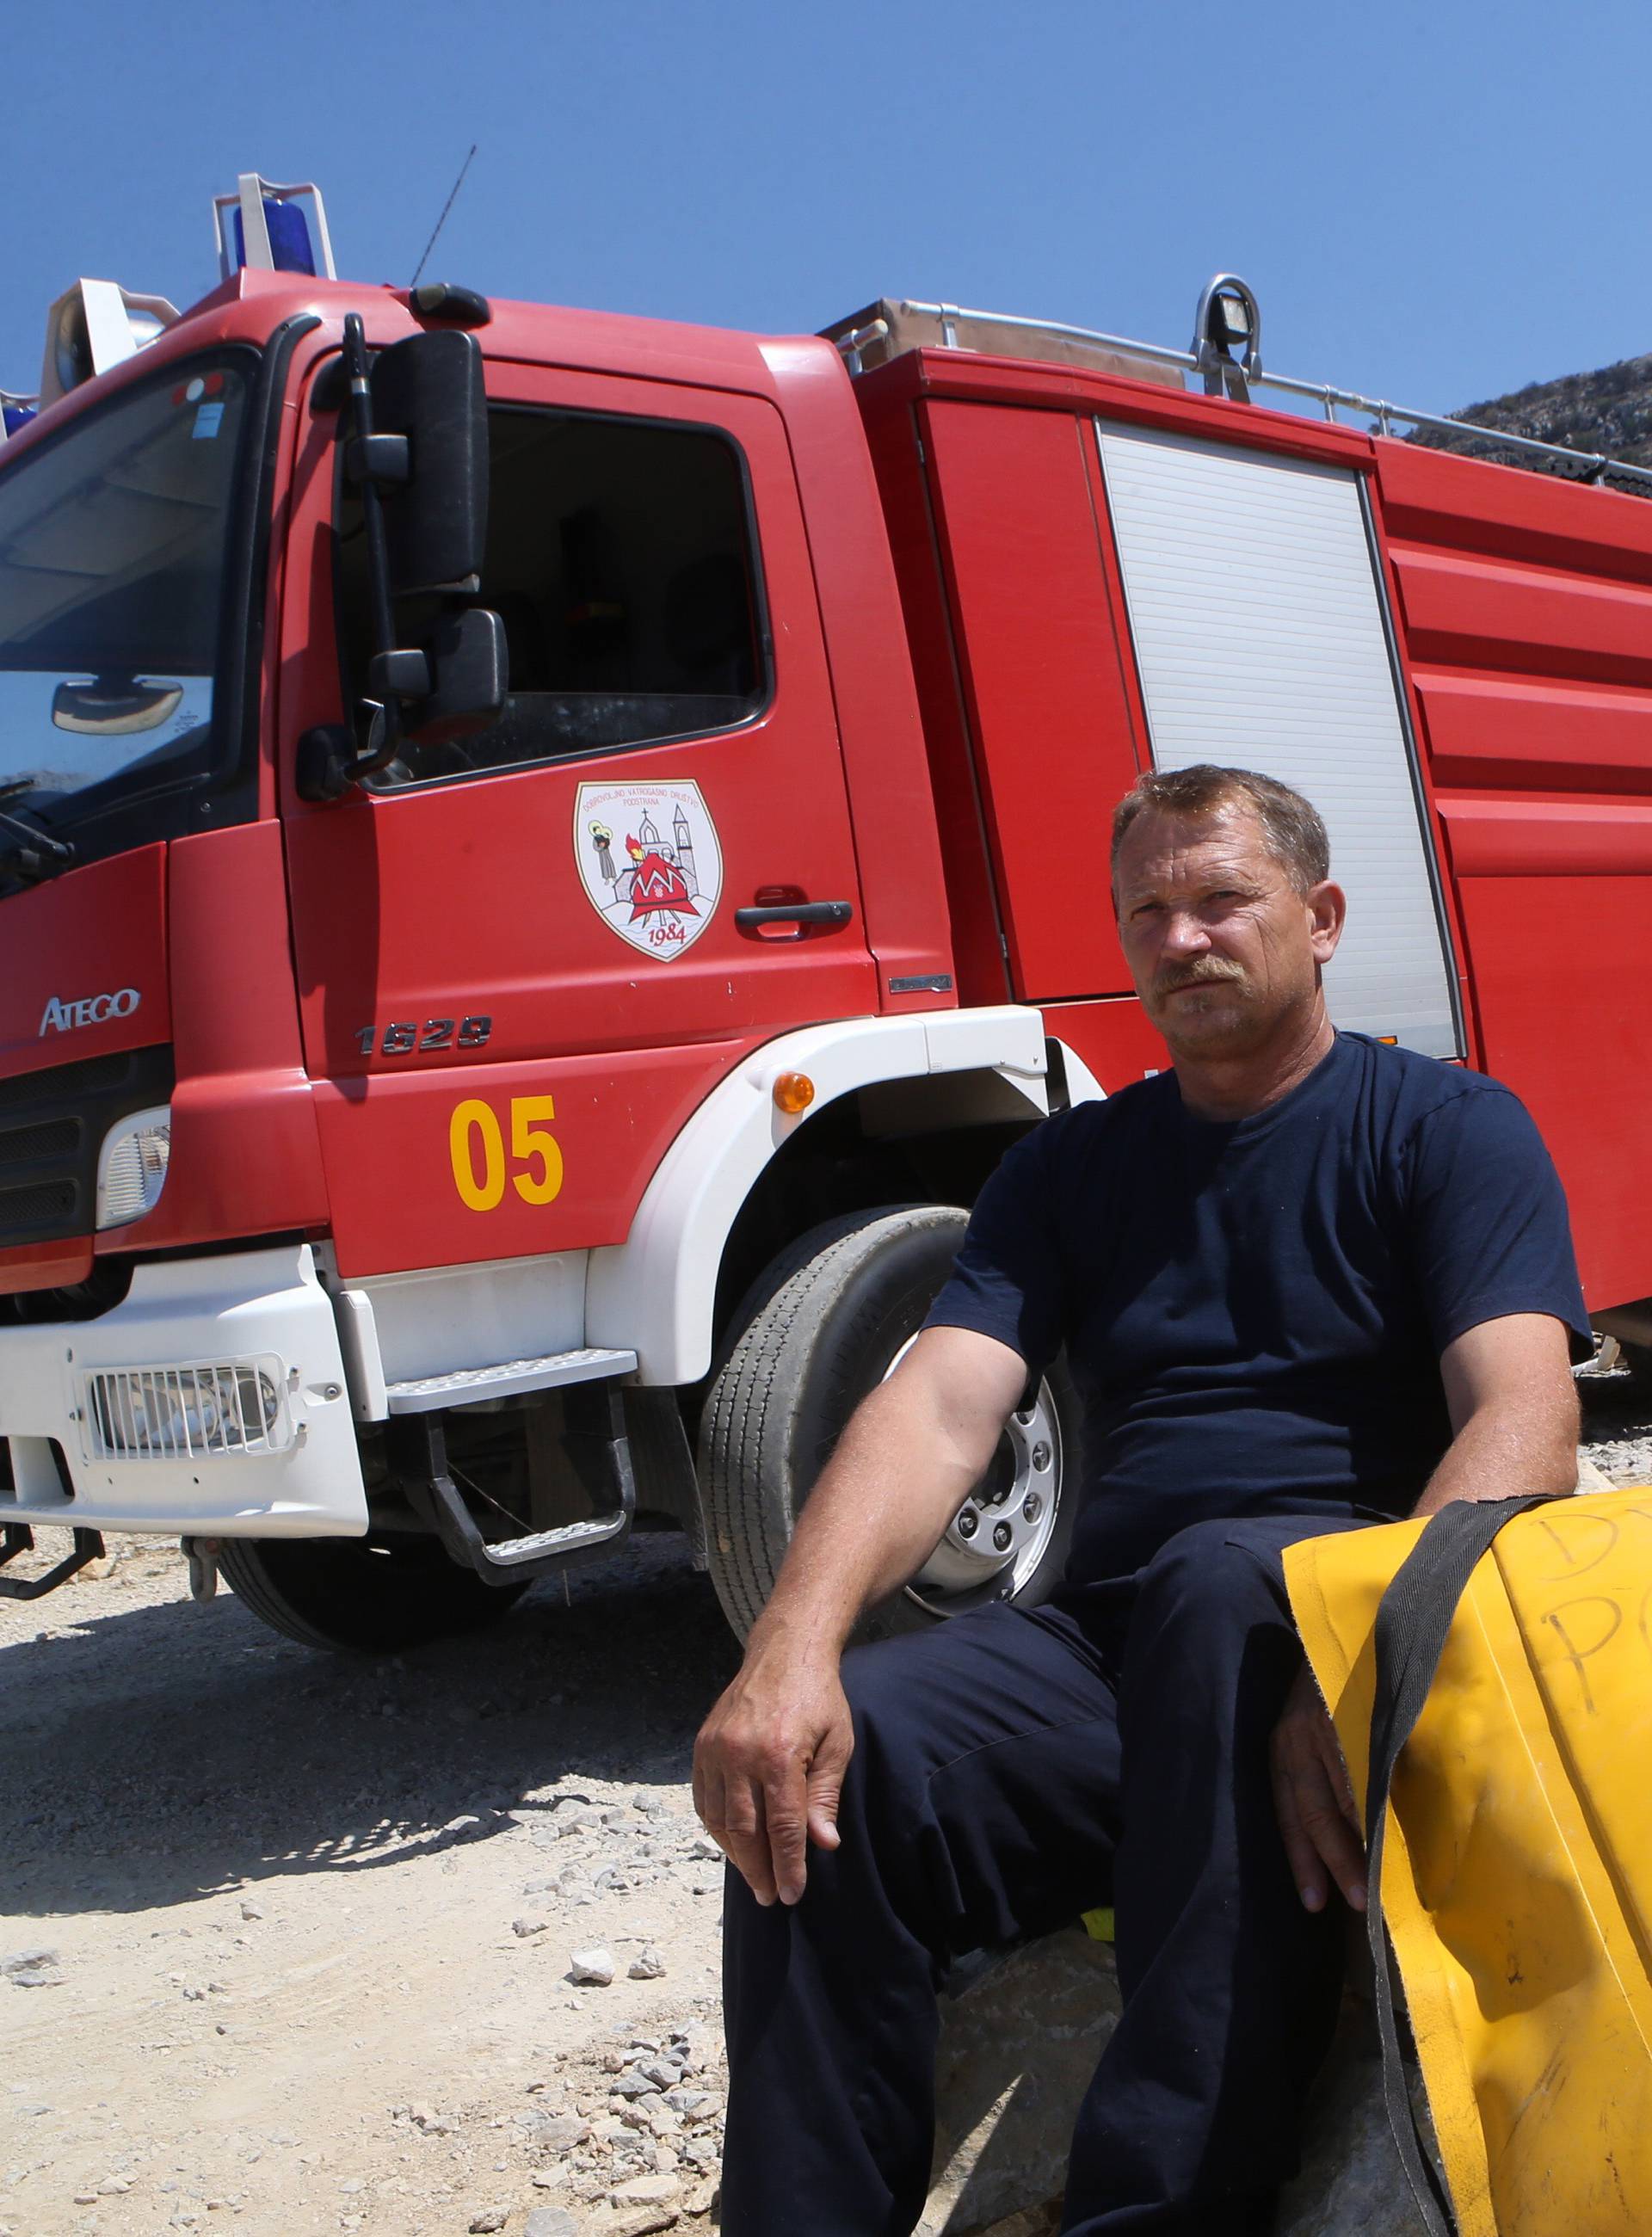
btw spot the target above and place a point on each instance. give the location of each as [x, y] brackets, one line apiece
[834, 1317]
[372, 1595]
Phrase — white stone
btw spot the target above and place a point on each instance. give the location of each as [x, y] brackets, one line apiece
[550, 2221]
[27, 1961]
[645, 2190]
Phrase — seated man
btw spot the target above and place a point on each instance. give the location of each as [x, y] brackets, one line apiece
[1305, 1282]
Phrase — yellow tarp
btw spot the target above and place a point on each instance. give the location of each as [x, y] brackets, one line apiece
[1517, 1883]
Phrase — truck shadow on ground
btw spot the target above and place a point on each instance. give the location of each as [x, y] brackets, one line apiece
[158, 1753]
[161, 1753]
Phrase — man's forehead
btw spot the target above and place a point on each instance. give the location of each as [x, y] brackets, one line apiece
[1158, 844]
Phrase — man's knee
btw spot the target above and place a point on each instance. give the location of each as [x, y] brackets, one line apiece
[890, 1692]
[914, 1698]
[881, 1699]
[953, 1723]
[900, 1732]
[885, 1864]
[1222, 1572]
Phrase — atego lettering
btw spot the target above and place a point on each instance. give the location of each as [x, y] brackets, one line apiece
[63, 1017]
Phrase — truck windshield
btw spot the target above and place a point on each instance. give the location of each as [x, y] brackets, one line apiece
[113, 551]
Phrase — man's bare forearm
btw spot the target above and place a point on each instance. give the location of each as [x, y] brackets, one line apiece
[1500, 1459]
[1503, 1453]
[904, 1465]
[770, 1762]
[1514, 1413]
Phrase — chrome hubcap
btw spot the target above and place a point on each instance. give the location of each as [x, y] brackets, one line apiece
[1000, 1534]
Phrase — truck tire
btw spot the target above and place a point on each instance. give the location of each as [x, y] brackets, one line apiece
[360, 1595]
[827, 1322]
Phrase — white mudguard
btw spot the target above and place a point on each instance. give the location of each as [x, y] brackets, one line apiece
[659, 1287]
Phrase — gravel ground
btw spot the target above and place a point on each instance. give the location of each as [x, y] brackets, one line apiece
[297, 1932]
[291, 1942]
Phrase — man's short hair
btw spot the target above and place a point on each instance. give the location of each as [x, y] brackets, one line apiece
[1292, 829]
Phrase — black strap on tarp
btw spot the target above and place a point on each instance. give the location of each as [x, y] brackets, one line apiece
[1412, 1621]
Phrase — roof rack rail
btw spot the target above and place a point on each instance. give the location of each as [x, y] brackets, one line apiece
[1227, 315]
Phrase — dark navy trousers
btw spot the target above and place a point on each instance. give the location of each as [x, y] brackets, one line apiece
[1012, 1769]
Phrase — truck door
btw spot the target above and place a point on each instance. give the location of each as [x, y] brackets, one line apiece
[520, 960]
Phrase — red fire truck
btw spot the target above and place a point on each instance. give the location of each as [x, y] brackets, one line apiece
[544, 856]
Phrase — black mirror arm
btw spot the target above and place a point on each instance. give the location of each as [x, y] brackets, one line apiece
[383, 719]
[379, 718]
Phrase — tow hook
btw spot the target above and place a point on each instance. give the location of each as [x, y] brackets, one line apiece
[201, 1555]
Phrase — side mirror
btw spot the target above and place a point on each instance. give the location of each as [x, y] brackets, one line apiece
[428, 399]
[416, 444]
[455, 686]
[469, 672]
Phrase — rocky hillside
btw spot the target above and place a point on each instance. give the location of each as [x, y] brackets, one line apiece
[1608, 412]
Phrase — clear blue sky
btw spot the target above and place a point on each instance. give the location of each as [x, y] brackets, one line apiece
[1434, 203]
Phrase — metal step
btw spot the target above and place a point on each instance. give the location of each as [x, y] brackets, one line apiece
[465, 1386]
[593, 1437]
[503, 1559]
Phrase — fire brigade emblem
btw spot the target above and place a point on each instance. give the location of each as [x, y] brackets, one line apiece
[649, 860]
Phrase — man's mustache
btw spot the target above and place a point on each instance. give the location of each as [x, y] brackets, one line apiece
[1209, 972]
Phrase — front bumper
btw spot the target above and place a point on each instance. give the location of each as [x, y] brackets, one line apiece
[211, 1403]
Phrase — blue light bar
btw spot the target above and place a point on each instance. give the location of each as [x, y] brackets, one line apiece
[289, 237]
[263, 228]
[17, 410]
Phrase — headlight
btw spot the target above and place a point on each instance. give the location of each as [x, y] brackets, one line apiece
[132, 1166]
[231, 1406]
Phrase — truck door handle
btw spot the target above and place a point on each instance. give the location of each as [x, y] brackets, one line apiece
[802, 913]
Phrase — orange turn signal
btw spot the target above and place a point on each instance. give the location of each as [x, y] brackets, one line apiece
[794, 1091]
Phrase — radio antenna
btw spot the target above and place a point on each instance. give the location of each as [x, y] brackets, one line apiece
[442, 220]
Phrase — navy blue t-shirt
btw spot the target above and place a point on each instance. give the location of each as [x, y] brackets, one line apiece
[1254, 1312]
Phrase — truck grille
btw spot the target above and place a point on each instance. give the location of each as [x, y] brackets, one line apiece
[37, 1207]
[19, 1144]
[92, 1073]
[52, 1126]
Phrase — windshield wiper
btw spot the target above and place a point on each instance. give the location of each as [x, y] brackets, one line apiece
[34, 853]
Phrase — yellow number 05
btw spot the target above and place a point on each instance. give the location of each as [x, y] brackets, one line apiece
[480, 1178]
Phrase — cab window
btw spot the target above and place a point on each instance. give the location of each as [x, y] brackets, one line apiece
[621, 559]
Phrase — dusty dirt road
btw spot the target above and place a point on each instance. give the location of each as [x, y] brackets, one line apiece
[262, 1910]
[282, 1893]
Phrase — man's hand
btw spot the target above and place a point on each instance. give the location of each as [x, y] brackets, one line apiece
[768, 1767]
[1314, 1801]
[770, 1762]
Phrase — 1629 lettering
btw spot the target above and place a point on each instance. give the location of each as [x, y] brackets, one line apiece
[409, 1036]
